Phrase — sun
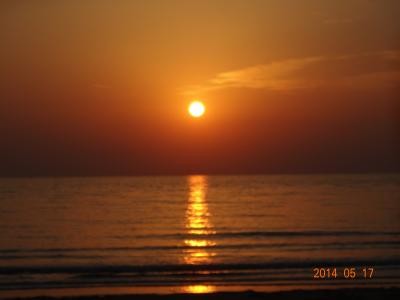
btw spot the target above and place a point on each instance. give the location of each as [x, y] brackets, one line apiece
[196, 109]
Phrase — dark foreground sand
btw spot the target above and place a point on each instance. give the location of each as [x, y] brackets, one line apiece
[368, 293]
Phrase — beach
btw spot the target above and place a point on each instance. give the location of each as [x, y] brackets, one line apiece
[355, 294]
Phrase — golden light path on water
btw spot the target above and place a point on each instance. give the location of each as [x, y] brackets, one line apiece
[198, 224]
[199, 289]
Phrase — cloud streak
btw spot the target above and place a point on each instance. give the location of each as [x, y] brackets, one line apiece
[358, 70]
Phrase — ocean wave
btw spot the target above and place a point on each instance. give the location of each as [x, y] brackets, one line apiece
[98, 269]
[65, 252]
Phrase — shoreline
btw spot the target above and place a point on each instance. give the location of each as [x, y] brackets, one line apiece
[327, 294]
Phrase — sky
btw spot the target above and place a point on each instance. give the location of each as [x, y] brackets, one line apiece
[102, 87]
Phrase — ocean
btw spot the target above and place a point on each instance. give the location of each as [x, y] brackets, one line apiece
[199, 233]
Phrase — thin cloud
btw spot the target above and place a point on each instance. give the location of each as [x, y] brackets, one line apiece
[373, 68]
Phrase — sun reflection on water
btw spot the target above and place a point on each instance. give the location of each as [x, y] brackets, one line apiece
[199, 289]
[198, 223]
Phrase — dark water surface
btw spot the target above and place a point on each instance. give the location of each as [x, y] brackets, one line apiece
[198, 233]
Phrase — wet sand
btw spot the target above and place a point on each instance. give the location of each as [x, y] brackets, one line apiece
[358, 293]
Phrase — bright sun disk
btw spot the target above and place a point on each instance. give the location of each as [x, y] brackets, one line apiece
[196, 109]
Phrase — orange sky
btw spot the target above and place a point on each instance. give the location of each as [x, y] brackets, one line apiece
[102, 87]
